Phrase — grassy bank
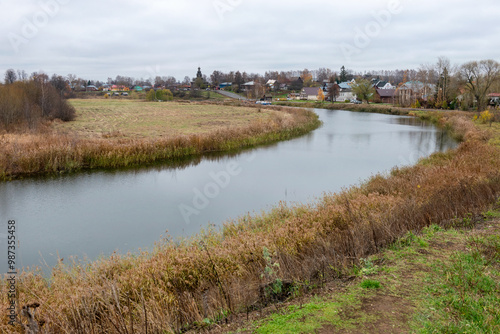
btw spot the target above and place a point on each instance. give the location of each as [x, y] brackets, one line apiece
[259, 260]
[439, 281]
[115, 134]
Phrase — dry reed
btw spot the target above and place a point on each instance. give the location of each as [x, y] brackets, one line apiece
[47, 152]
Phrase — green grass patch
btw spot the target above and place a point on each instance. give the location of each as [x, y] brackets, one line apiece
[465, 295]
[312, 316]
[370, 284]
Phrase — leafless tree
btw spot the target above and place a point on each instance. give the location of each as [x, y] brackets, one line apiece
[479, 76]
[10, 76]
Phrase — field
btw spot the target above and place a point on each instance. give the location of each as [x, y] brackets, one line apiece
[96, 118]
[127, 133]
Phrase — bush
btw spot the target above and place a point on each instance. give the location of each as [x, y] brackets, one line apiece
[486, 117]
[27, 103]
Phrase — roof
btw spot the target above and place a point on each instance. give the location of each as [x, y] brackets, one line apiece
[251, 83]
[418, 85]
[311, 91]
[271, 82]
[494, 95]
[386, 92]
[345, 85]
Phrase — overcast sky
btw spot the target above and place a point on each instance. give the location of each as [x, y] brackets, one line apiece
[100, 39]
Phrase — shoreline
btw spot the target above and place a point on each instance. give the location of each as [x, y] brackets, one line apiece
[33, 155]
[283, 249]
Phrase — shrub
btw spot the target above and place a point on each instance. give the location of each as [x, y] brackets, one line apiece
[27, 103]
[486, 117]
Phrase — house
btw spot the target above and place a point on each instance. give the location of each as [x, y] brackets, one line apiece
[92, 88]
[248, 86]
[420, 90]
[296, 83]
[384, 95]
[494, 99]
[346, 92]
[138, 88]
[225, 85]
[270, 83]
[267, 98]
[310, 93]
[384, 85]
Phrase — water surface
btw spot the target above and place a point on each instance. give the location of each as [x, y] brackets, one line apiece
[93, 214]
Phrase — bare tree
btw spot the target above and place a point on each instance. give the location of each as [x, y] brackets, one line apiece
[10, 76]
[323, 74]
[479, 77]
[22, 75]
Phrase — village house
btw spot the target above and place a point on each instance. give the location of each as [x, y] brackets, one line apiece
[384, 95]
[346, 92]
[384, 85]
[247, 86]
[310, 93]
[494, 99]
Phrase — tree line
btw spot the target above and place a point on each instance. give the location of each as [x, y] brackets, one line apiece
[28, 101]
[468, 83]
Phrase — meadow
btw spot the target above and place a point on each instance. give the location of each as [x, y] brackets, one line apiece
[256, 261]
[127, 133]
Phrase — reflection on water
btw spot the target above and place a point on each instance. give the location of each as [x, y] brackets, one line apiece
[100, 212]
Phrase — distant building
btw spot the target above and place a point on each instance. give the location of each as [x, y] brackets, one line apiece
[346, 92]
[225, 85]
[384, 95]
[310, 93]
[248, 86]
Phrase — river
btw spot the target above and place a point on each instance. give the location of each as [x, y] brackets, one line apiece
[96, 213]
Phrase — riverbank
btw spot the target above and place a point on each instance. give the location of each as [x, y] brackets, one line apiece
[117, 134]
[372, 107]
[256, 261]
[436, 281]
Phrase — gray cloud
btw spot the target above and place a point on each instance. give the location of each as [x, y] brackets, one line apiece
[96, 39]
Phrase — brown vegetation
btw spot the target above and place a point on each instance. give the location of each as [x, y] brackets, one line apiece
[257, 259]
[51, 152]
[28, 103]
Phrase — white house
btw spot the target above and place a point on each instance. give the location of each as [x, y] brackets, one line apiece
[346, 92]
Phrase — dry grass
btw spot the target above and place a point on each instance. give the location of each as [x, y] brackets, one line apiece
[144, 137]
[99, 118]
[181, 284]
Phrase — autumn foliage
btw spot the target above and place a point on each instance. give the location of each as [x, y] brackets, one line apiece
[27, 103]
